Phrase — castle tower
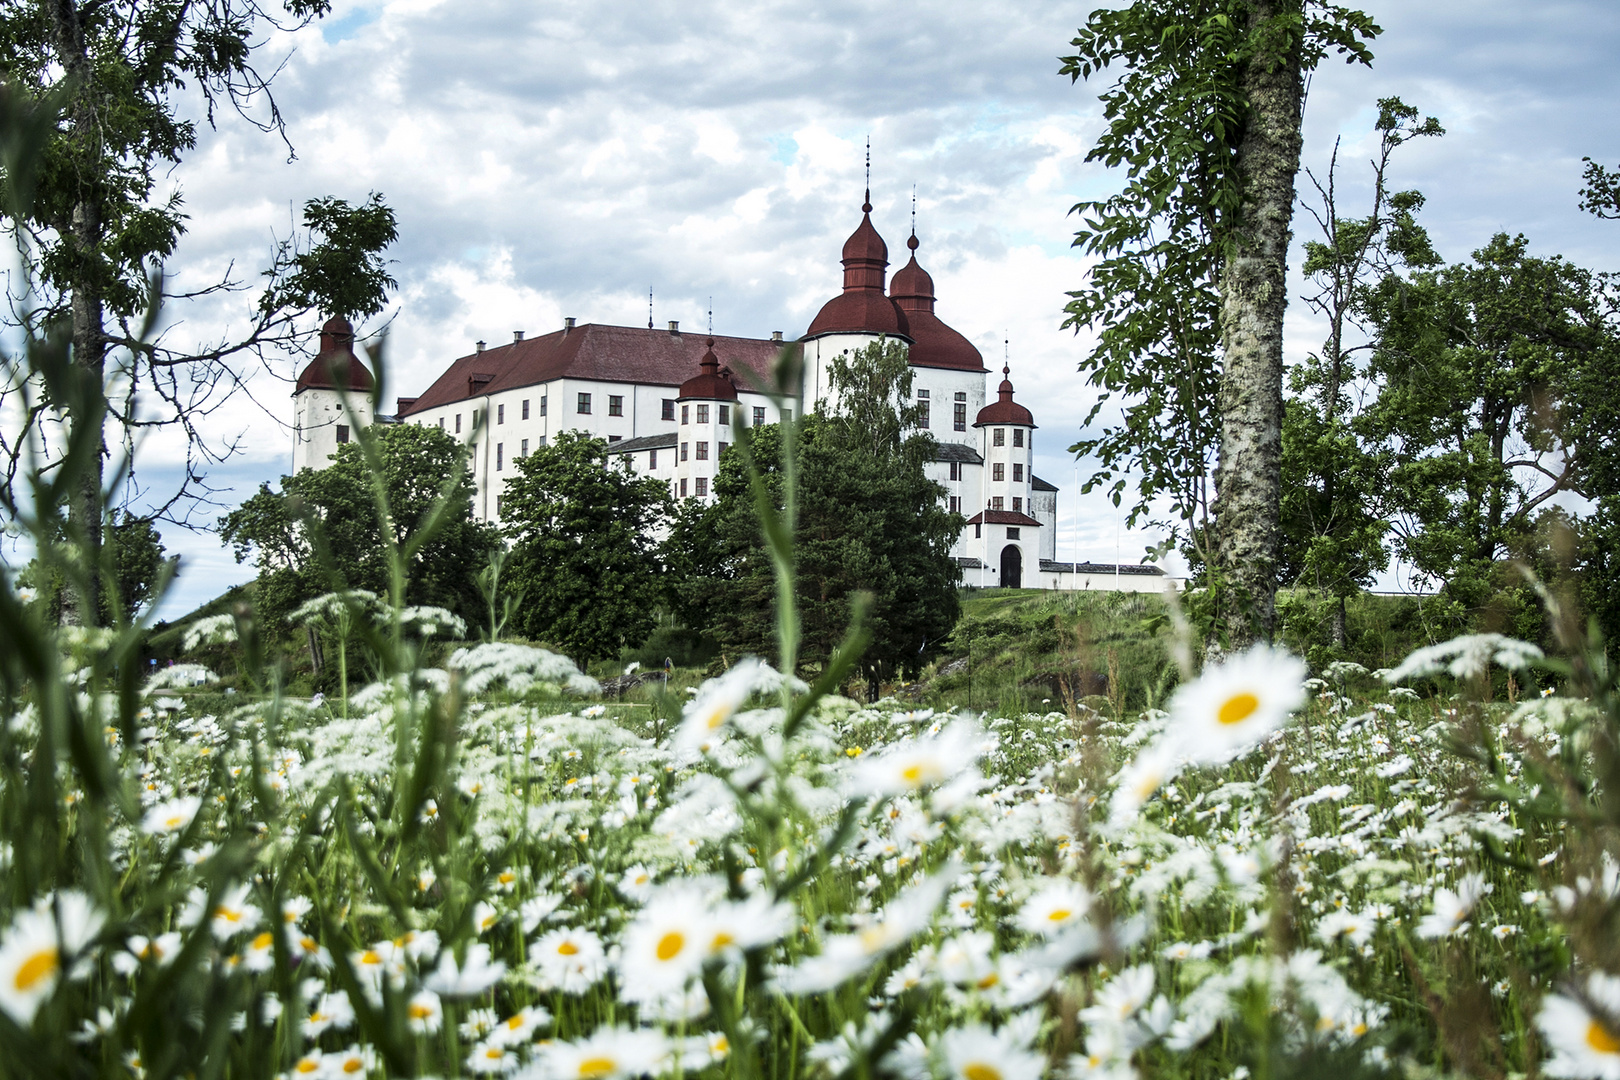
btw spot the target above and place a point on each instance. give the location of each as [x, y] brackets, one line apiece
[1005, 527]
[704, 406]
[336, 375]
[860, 315]
[947, 371]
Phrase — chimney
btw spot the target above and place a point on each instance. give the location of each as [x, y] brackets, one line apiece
[517, 336]
[568, 323]
[776, 335]
[403, 405]
[480, 346]
[674, 326]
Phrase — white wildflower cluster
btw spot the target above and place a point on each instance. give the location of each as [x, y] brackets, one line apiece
[599, 891]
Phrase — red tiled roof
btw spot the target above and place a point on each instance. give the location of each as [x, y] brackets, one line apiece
[1002, 517]
[627, 354]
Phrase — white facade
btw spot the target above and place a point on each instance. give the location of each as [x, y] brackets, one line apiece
[321, 424]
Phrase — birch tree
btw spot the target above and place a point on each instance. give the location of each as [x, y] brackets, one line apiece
[1189, 294]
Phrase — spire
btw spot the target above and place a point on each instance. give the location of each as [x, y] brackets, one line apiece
[866, 203]
[912, 242]
[649, 307]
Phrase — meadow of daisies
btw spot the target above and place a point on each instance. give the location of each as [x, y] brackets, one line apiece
[482, 869]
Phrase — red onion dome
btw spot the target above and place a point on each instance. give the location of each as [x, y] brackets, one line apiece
[1004, 410]
[862, 308]
[710, 383]
[933, 344]
[335, 367]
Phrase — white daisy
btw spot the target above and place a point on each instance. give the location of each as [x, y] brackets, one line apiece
[569, 960]
[1055, 907]
[608, 1053]
[975, 1052]
[1584, 1042]
[1230, 708]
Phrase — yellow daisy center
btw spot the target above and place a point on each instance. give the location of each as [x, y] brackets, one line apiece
[591, 1068]
[670, 945]
[1237, 708]
[715, 719]
[353, 1065]
[307, 1065]
[722, 939]
[567, 948]
[37, 968]
[1058, 914]
[988, 981]
[514, 1022]
[1599, 1038]
[979, 1070]
[263, 940]
[419, 1011]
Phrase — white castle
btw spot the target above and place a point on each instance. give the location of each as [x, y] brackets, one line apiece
[664, 400]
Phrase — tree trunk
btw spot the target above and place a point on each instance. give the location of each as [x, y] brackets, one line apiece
[1340, 634]
[82, 606]
[1253, 299]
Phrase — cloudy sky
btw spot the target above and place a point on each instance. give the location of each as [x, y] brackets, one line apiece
[558, 159]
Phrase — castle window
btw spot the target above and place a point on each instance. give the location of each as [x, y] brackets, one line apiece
[956, 504]
[542, 442]
[703, 414]
[759, 416]
[500, 414]
[720, 449]
[1012, 530]
[652, 460]
[999, 437]
[922, 393]
[500, 456]
[703, 451]
[523, 448]
[1018, 436]
[998, 503]
[615, 404]
[998, 472]
[959, 416]
[702, 486]
[343, 433]
[683, 451]
[1018, 504]
[686, 414]
[725, 414]
[525, 408]
[1018, 473]
[458, 423]
[683, 487]
[499, 499]
[615, 438]
[922, 412]
[956, 470]
[584, 405]
[978, 530]
[441, 423]
[542, 404]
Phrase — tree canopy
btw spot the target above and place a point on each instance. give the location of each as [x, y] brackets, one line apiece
[322, 531]
[100, 216]
[585, 553]
[868, 521]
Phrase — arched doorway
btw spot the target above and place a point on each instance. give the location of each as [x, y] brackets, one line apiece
[1012, 567]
